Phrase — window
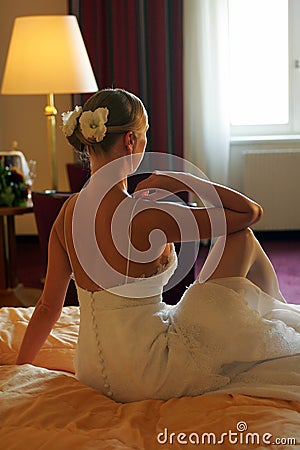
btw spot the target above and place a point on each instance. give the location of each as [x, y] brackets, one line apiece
[264, 69]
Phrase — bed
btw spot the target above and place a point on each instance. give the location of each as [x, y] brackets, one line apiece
[43, 406]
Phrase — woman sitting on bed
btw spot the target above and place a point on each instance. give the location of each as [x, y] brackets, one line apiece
[132, 346]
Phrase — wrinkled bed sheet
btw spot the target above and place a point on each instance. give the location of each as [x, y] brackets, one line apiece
[47, 408]
[56, 353]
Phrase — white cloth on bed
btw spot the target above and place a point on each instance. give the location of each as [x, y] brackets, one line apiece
[133, 348]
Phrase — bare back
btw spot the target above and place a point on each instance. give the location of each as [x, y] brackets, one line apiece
[106, 243]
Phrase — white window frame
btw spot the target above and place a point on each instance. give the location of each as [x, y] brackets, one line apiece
[293, 127]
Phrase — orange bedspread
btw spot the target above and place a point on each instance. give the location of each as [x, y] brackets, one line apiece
[48, 409]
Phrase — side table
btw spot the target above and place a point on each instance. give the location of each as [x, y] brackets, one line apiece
[11, 292]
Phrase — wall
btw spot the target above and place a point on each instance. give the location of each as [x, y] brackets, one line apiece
[22, 117]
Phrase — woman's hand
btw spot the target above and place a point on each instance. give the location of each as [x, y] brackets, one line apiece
[160, 185]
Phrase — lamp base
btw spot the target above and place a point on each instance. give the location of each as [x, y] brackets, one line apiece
[50, 113]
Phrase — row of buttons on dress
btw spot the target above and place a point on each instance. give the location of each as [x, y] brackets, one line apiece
[106, 384]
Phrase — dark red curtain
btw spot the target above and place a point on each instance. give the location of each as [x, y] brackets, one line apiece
[137, 45]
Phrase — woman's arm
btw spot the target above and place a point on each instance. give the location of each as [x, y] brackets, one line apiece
[224, 205]
[174, 182]
[49, 306]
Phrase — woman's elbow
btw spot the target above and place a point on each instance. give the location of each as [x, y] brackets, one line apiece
[257, 213]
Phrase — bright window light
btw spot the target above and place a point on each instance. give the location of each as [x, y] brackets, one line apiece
[259, 62]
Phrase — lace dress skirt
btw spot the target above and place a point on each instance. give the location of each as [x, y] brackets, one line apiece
[135, 348]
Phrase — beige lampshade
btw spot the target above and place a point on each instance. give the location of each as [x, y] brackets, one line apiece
[47, 54]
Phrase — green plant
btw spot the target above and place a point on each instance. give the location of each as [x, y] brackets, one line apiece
[13, 190]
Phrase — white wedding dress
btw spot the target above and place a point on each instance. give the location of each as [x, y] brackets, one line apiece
[132, 348]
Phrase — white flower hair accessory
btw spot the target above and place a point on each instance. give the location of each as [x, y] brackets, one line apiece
[92, 124]
[70, 120]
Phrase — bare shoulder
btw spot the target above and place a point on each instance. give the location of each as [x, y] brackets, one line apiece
[176, 221]
[66, 210]
[162, 216]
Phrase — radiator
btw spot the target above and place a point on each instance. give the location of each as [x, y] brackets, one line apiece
[271, 177]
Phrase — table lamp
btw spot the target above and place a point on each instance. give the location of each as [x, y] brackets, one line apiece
[47, 55]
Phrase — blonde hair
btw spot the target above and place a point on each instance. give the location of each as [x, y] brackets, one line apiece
[126, 113]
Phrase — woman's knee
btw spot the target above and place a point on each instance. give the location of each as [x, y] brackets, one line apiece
[244, 243]
[243, 236]
[237, 256]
